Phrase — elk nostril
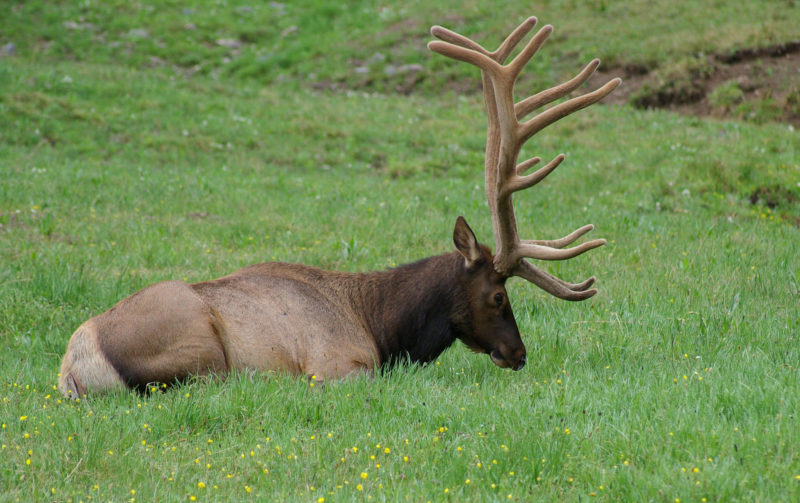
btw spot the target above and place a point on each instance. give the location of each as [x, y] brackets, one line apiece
[521, 363]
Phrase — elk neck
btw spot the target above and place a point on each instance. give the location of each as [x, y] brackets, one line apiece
[414, 311]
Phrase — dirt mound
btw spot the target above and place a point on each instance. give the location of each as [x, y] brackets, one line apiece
[759, 85]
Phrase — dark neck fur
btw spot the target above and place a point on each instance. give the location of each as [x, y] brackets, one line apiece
[413, 310]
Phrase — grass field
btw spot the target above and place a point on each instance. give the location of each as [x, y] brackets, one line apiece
[148, 141]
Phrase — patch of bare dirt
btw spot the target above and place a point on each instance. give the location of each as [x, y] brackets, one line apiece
[632, 77]
[760, 84]
[773, 196]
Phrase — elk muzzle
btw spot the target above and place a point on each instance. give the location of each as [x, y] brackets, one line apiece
[514, 360]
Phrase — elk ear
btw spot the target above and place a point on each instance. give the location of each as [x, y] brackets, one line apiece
[466, 243]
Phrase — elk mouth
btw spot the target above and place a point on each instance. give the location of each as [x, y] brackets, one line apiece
[501, 362]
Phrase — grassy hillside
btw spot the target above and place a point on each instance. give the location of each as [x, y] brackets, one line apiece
[367, 44]
[150, 141]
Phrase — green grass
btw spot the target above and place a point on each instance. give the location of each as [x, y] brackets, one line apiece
[678, 381]
[322, 43]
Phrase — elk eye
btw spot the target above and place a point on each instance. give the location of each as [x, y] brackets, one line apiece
[498, 299]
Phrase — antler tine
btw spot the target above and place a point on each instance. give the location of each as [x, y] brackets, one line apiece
[534, 44]
[561, 110]
[512, 40]
[531, 103]
[555, 286]
[523, 182]
[561, 243]
[542, 252]
[454, 38]
[472, 54]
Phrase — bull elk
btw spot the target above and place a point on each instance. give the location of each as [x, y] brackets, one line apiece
[302, 320]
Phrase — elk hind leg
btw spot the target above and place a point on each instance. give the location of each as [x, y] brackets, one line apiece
[163, 334]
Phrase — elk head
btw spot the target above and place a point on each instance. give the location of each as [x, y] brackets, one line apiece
[507, 133]
[490, 326]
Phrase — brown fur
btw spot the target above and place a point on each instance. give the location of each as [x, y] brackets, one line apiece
[84, 367]
[297, 319]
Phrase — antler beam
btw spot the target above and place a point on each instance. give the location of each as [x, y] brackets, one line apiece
[505, 137]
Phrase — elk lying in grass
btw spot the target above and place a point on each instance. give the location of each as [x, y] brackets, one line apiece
[303, 320]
